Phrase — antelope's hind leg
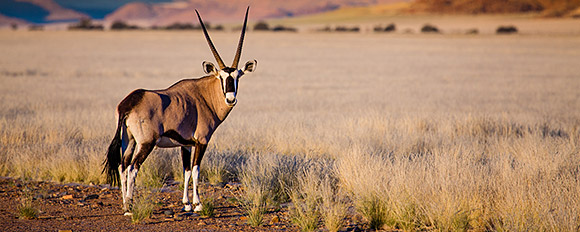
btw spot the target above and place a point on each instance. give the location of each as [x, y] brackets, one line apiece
[186, 161]
[142, 151]
[127, 149]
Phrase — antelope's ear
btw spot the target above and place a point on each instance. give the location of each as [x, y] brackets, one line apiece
[209, 68]
[250, 66]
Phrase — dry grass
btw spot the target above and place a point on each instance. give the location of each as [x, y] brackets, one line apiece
[447, 132]
[143, 206]
[27, 209]
[318, 198]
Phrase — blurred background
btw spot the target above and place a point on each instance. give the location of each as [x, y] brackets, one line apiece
[441, 115]
[301, 15]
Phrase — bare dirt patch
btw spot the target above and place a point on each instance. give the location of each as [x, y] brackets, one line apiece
[80, 208]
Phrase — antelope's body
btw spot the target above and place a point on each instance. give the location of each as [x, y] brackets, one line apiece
[184, 115]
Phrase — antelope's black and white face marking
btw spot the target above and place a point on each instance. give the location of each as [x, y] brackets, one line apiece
[229, 78]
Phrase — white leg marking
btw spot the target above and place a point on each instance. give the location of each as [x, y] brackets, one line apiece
[186, 177]
[123, 175]
[131, 175]
[196, 200]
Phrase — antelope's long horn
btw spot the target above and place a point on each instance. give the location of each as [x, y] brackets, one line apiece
[239, 51]
[213, 50]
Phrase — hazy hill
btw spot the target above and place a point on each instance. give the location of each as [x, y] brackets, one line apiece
[5, 20]
[35, 11]
[551, 8]
[228, 11]
[55, 11]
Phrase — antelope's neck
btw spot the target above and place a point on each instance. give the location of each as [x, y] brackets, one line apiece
[215, 99]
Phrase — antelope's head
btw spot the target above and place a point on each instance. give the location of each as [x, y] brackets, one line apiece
[228, 76]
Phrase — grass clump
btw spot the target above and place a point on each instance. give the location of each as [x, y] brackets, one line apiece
[220, 168]
[26, 209]
[334, 204]
[155, 171]
[264, 179]
[208, 208]
[305, 212]
[142, 207]
[374, 211]
[317, 197]
[253, 204]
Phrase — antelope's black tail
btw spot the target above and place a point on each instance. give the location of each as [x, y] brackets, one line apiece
[113, 159]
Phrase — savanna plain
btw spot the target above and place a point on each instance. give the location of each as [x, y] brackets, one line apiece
[369, 131]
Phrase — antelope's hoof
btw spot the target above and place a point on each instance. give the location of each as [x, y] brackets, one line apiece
[198, 208]
[186, 208]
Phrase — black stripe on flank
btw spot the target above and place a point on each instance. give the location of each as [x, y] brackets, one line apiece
[177, 137]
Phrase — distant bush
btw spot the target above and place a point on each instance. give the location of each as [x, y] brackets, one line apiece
[182, 26]
[121, 25]
[218, 28]
[389, 28]
[473, 31]
[284, 28]
[85, 24]
[35, 28]
[339, 29]
[506, 30]
[325, 29]
[429, 29]
[261, 26]
[347, 29]
[187, 26]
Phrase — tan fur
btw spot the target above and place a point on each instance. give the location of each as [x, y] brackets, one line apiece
[193, 108]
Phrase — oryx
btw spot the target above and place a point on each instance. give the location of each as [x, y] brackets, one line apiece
[184, 115]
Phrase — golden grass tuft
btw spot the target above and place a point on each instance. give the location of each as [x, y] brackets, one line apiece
[143, 206]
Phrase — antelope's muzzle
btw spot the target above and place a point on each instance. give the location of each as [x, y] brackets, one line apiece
[230, 91]
[231, 98]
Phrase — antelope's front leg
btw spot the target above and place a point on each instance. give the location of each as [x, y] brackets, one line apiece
[199, 151]
[186, 161]
[196, 200]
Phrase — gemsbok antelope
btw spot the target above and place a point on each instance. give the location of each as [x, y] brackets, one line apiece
[184, 115]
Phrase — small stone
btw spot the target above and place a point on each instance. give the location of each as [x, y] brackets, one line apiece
[67, 197]
[188, 214]
[91, 197]
[201, 224]
[275, 220]
[243, 218]
[168, 212]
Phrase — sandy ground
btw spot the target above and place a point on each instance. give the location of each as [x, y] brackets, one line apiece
[88, 208]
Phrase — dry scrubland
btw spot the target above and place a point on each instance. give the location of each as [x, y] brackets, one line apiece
[409, 131]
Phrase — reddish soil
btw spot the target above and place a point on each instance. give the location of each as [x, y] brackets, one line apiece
[98, 208]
